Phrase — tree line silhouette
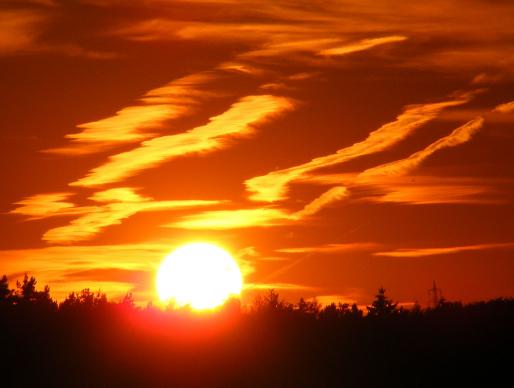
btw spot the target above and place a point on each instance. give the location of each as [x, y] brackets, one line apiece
[88, 341]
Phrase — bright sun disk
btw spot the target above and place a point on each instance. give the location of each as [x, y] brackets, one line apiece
[199, 275]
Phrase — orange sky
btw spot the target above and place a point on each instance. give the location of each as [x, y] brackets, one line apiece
[331, 146]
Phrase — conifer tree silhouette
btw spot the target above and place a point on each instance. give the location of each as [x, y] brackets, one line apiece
[382, 306]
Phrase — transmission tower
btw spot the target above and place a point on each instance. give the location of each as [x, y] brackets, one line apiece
[436, 294]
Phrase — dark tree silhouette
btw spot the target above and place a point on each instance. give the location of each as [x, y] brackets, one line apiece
[308, 307]
[89, 341]
[270, 303]
[341, 311]
[5, 292]
[382, 306]
[26, 294]
[85, 299]
[27, 289]
[128, 300]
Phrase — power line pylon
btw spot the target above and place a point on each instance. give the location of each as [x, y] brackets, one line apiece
[436, 294]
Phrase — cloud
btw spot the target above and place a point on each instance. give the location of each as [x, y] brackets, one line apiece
[400, 167]
[257, 217]
[236, 122]
[20, 29]
[287, 45]
[135, 123]
[332, 195]
[487, 79]
[331, 248]
[168, 29]
[402, 191]
[47, 205]
[240, 67]
[326, 179]
[232, 219]
[421, 252]
[276, 286]
[426, 190]
[364, 44]
[108, 274]
[507, 107]
[302, 76]
[325, 46]
[320, 35]
[274, 185]
[117, 204]
[274, 86]
[265, 28]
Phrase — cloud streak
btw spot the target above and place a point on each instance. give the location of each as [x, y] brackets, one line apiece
[19, 30]
[400, 167]
[422, 252]
[507, 107]
[257, 217]
[274, 185]
[331, 248]
[117, 205]
[234, 123]
[364, 44]
[332, 195]
[322, 46]
[277, 286]
[47, 205]
[232, 219]
[22, 31]
[426, 190]
[136, 123]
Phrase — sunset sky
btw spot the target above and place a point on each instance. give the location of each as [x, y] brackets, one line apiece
[331, 146]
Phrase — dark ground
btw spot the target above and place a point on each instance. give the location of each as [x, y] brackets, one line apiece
[89, 342]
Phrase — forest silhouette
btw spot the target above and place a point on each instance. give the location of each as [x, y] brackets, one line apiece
[89, 341]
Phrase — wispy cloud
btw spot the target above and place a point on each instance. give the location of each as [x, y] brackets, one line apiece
[421, 252]
[414, 191]
[257, 217]
[136, 123]
[240, 67]
[332, 195]
[426, 190]
[47, 205]
[236, 122]
[274, 185]
[268, 28]
[507, 107]
[400, 167]
[327, 179]
[324, 45]
[22, 31]
[331, 248]
[364, 44]
[117, 204]
[168, 29]
[277, 286]
[323, 37]
[19, 29]
[232, 219]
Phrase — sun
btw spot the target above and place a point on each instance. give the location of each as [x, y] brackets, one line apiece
[200, 275]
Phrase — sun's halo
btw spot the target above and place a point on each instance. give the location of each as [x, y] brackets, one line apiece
[200, 275]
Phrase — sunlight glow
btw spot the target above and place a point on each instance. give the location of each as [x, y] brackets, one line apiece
[200, 275]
